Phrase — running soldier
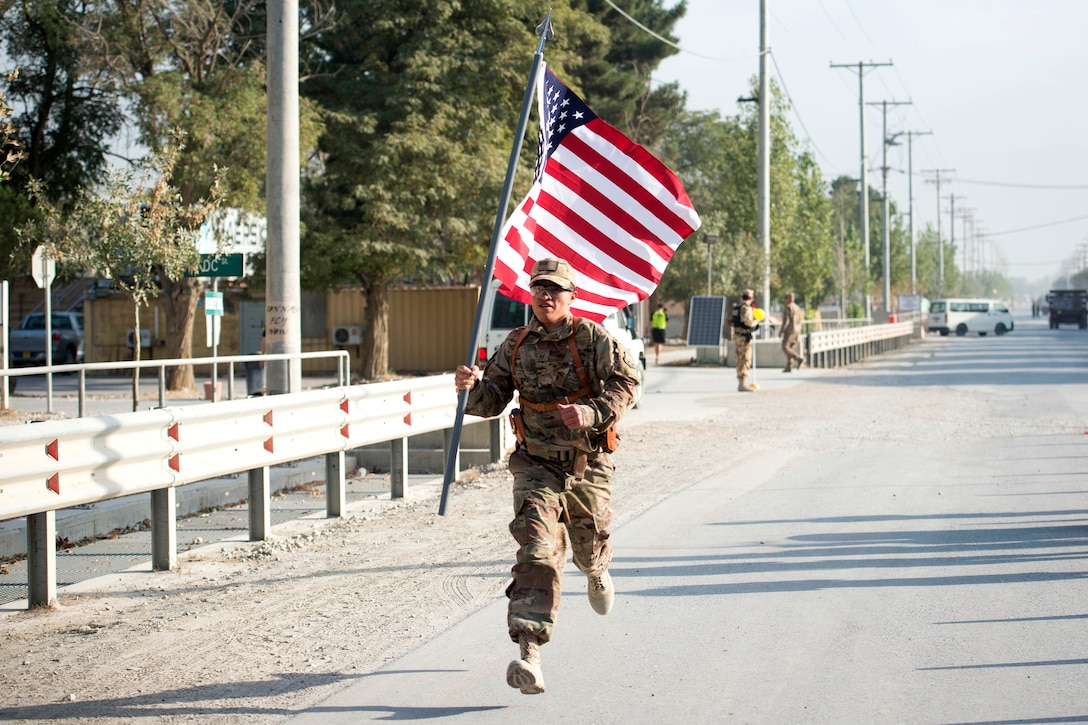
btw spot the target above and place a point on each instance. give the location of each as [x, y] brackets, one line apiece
[574, 381]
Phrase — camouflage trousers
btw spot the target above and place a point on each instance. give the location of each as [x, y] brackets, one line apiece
[550, 506]
[791, 346]
[742, 348]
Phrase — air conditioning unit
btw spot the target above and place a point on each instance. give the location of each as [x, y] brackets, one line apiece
[145, 338]
[344, 335]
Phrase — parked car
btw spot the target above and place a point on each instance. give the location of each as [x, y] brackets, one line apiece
[501, 315]
[962, 316]
[1068, 307]
[27, 343]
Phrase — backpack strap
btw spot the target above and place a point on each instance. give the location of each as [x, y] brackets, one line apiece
[567, 399]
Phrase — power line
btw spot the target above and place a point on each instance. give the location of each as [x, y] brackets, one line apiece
[1039, 226]
[671, 44]
[778, 72]
[1015, 185]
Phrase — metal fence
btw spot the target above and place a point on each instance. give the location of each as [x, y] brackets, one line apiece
[58, 464]
[832, 348]
[8, 375]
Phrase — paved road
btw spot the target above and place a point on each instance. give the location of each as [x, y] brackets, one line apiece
[933, 575]
[917, 556]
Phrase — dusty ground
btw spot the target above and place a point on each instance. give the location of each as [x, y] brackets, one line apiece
[245, 633]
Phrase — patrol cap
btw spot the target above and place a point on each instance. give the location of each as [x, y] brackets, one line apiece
[747, 295]
[553, 270]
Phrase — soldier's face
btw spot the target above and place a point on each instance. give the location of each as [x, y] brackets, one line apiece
[551, 304]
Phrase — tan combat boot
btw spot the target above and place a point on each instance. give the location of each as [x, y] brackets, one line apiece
[601, 593]
[525, 674]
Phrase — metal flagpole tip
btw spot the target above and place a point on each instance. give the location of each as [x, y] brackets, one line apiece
[545, 28]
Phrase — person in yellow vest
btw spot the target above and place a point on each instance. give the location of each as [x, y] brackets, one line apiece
[659, 320]
[573, 381]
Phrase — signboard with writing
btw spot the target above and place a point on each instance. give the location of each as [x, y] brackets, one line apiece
[219, 265]
[213, 303]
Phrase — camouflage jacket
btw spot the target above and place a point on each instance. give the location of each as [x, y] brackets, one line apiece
[793, 319]
[545, 373]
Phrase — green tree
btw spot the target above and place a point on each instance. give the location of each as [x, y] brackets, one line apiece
[68, 108]
[11, 151]
[717, 158]
[419, 116]
[849, 259]
[805, 253]
[136, 230]
[194, 68]
[614, 68]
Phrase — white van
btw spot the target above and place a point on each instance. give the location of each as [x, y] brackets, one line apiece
[501, 315]
[962, 316]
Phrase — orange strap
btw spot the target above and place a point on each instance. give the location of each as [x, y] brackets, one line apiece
[576, 395]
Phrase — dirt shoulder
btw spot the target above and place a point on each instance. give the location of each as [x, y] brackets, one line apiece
[243, 632]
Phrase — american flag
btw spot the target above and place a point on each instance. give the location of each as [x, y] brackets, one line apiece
[599, 201]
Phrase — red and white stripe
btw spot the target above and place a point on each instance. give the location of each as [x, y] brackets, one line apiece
[608, 207]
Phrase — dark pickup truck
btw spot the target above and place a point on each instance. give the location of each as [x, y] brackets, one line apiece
[1068, 306]
[28, 342]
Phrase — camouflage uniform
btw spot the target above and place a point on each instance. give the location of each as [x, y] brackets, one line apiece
[553, 498]
[742, 339]
[793, 319]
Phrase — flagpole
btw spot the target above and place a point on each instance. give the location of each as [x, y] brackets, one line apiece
[544, 30]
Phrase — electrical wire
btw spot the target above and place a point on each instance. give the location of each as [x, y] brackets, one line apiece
[671, 44]
[793, 107]
[1038, 226]
[1015, 185]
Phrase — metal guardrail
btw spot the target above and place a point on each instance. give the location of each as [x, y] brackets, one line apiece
[831, 348]
[58, 464]
[343, 371]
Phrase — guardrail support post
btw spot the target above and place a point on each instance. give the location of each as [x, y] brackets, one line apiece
[164, 530]
[398, 467]
[41, 560]
[260, 505]
[334, 485]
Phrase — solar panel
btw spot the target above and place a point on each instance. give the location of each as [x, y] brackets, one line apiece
[705, 319]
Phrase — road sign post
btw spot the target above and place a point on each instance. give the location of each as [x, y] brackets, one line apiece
[43, 268]
[213, 310]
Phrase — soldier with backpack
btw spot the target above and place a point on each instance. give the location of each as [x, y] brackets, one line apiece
[743, 321]
[574, 382]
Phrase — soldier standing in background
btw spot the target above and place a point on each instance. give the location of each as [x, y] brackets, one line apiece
[574, 381]
[793, 319]
[743, 322]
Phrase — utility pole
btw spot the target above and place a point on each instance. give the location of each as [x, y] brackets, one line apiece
[283, 295]
[910, 204]
[952, 236]
[764, 195]
[964, 214]
[864, 195]
[940, 245]
[885, 210]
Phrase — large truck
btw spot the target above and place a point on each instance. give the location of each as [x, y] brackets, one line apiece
[1068, 306]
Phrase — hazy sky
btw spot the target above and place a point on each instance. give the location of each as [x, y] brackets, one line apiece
[999, 83]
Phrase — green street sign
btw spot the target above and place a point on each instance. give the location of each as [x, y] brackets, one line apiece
[219, 265]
